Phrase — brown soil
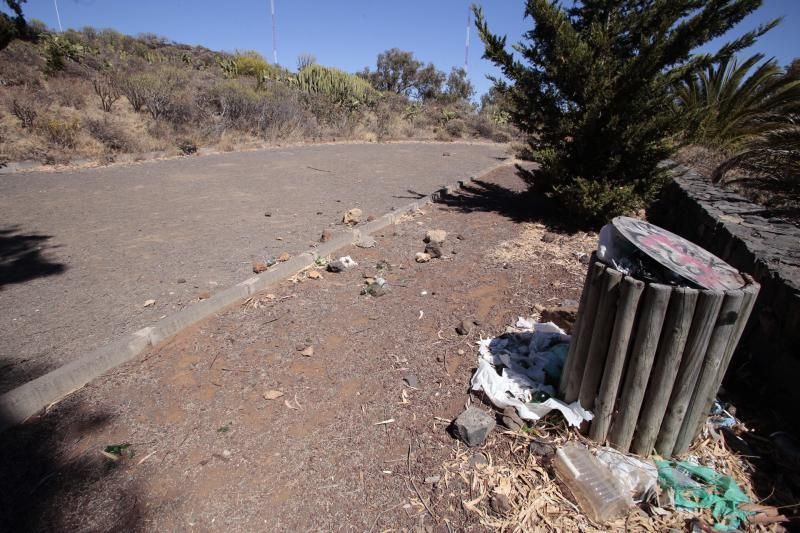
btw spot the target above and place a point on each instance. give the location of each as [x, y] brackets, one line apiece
[349, 445]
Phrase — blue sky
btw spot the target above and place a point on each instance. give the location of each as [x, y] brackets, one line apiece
[349, 34]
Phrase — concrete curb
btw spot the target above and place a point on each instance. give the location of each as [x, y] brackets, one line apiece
[19, 404]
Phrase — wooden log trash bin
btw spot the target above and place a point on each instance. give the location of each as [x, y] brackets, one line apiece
[648, 359]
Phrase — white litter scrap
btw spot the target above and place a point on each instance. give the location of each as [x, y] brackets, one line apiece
[348, 262]
[516, 366]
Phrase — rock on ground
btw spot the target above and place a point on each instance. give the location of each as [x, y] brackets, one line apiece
[436, 236]
[422, 257]
[473, 426]
[336, 266]
[352, 216]
[434, 250]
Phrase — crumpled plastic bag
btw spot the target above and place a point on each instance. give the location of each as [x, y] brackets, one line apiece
[638, 476]
[699, 487]
[528, 360]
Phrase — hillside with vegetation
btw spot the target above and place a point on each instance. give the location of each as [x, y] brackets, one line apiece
[98, 94]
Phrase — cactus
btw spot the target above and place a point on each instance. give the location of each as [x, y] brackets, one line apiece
[228, 66]
[343, 87]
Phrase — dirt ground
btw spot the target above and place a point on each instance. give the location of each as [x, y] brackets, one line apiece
[349, 445]
[82, 251]
[208, 451]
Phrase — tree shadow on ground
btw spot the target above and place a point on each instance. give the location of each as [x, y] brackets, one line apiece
[511, 195]
[22, 258]
[48, 467]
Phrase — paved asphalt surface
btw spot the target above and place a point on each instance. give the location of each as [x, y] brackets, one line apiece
[82, 251]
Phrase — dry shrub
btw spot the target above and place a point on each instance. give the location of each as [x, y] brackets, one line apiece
[501, 137]
[329, 113]
[440, 134]
[68, 91]
[283, 116]
[25, 109]
[110, 134]
[483, 126]
[60, 133]
[106, 89]
[456, 127]
[20, 64]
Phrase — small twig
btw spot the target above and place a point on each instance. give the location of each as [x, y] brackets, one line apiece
[319, 169]
[234, 370]
[146, 457]
[411, 478]
[271, 321]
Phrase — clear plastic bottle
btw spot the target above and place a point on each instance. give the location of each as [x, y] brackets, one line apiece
[592, 484]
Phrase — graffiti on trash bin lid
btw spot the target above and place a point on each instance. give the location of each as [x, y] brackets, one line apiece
[679, 255]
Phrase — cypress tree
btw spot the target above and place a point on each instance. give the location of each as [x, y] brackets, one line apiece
[591, 86]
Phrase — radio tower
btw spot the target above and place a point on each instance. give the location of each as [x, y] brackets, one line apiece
[274, 38]
[466, 46]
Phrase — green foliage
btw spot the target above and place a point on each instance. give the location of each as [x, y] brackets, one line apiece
[343, 88]
[459, 87]
[591, 86]
[396, 71]
[14, 26]
[725, 108]
[57, 50]
[252, 64]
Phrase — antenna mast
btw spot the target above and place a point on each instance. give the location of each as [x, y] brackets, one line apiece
[274, 38]
[58, 17]
[466, 46]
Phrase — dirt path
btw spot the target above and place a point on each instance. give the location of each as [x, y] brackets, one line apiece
[81, 252]
[209, 452]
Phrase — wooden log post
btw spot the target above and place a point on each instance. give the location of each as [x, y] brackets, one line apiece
[670, 351]
[748, 302]
[725, 325]
[648, 332]
[579, 347]
[601, 333]
[706, 311]
[630, 292]
[569, 363]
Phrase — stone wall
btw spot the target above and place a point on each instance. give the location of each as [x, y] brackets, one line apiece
[735, 229]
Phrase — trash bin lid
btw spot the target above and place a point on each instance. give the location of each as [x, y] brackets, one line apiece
[681, 256]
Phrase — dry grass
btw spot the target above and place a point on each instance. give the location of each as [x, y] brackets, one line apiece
[529, 247]
[539, 502]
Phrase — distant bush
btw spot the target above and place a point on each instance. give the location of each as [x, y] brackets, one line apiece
[456, 127]
[110, 134]
[133, 87]
[160, 88]
[187, 147]
[61, 133]
[58, 50]
[234, 105]
[282, 115]
[25, 109]
[106, 89]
